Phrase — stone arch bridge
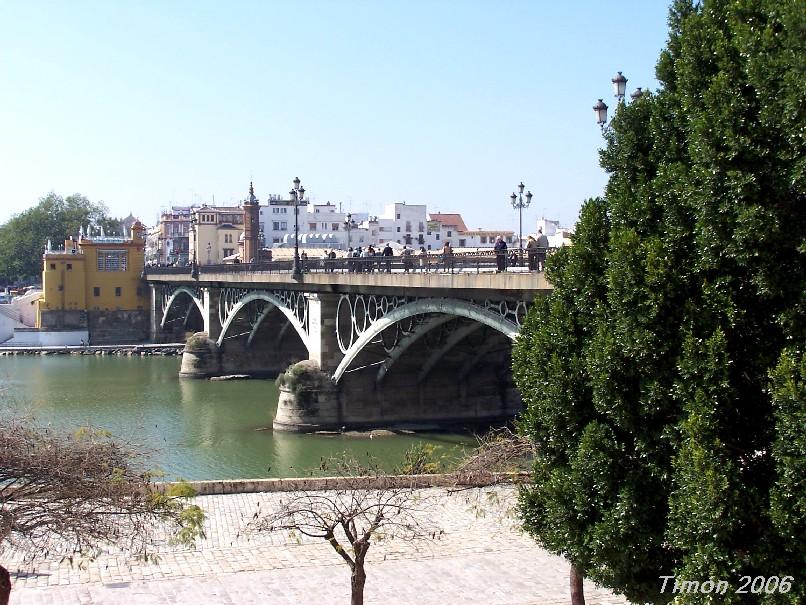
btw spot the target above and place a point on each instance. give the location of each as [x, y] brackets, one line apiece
[413, 349]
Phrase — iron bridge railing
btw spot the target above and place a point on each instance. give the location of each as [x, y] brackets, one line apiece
[474, 262]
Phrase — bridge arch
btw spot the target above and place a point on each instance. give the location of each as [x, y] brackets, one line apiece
[172, 298]
[274, 302]
[446, 306]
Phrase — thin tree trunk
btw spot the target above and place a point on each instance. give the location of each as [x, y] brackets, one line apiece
[5, 585]
[357, 581]
[577, 589]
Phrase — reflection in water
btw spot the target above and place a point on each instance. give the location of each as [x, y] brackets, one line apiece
[196, 429]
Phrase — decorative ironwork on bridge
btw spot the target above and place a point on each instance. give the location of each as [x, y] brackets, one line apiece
[358, 312]
[169, 292]
[263, 301]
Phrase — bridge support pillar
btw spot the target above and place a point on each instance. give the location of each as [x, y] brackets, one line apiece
[212, 325]
[323, 345]
[309, 399]
[201, 357]
[155, 313]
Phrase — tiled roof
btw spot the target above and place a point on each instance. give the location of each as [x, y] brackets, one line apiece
[449, 220]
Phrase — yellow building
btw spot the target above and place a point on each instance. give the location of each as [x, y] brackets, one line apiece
[95, 283]
[214, 233]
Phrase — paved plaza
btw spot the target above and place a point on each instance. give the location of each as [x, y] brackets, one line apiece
[479, 558]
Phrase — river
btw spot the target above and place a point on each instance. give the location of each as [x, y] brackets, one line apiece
[192, 429]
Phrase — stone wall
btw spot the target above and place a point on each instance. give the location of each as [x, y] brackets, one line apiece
[63, 320]
[117, 327]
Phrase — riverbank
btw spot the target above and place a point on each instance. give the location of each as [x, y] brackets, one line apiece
[166, 349]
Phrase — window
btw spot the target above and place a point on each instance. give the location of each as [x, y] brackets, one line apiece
[398, 216]
[398, 229]
[61, 287]
[228, 238]
[96, 291]
[311, 226]
[483, 239]
[52, 266]
[420, 239]
[462, 243]
[112, 260]
[449, 234]
[275, 225]
[335, 227]
[283, 225]
[229, 251]
[421, 227]
[437, 235]
[117, 291]
[408, 225]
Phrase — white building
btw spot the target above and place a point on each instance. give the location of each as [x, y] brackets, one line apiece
[558, 236]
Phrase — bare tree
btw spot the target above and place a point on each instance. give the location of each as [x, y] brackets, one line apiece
[501, 457]
[364, 505]
[67, 494]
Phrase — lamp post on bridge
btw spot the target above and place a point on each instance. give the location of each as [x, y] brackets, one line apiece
[349, 225]
[296, 194]
[519, 204]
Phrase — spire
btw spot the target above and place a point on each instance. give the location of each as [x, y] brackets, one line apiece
[252, 198]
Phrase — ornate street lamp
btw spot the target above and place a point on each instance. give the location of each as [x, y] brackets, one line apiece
[519, 204]
[296, 194]
[349, 225]
[600, 109]
[619, 90]
[619, 86]
[194, 264]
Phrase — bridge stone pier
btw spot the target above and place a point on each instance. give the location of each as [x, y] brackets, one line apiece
[354, 350]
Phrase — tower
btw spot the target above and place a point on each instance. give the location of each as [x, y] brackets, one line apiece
[251, 227]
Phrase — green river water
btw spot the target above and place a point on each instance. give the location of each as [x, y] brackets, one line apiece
[193, 429]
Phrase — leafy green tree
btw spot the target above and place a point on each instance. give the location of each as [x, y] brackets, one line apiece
[667, 415]
[23, 238]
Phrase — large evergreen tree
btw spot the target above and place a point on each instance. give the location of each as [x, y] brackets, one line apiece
[664, 376]
[23, 237]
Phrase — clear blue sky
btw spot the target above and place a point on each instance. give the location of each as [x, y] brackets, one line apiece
[450, 104]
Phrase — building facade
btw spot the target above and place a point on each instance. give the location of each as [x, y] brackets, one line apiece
[169, 242]
[214, 233]
[95, 283]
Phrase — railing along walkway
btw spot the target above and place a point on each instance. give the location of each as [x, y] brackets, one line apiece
[470, 262]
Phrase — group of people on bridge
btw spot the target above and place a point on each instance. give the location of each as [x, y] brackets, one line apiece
[536, 250]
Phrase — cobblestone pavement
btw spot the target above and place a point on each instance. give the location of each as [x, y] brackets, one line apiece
[480, 558]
